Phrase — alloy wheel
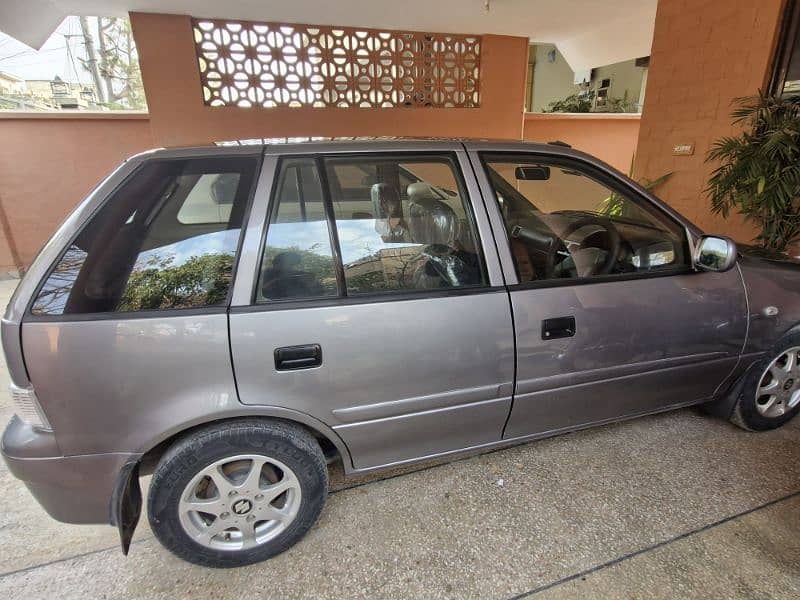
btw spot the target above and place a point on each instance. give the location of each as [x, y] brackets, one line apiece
[239, 502]
[779, 387]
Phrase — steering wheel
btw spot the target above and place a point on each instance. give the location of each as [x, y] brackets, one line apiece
[614, 244]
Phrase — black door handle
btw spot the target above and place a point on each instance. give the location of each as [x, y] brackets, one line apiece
[292, 358]
[560, 327]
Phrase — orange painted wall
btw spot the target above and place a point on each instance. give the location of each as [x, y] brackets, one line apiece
[179, 117]
[610, 137]
[48, 163]
[704, 55]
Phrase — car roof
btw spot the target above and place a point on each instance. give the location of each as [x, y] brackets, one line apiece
[315, 145]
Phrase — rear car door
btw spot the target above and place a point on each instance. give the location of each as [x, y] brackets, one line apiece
[611, 320]
[376, 304]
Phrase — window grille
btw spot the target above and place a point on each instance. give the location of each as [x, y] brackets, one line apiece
[270, 64]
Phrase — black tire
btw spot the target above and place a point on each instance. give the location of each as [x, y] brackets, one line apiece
[286, 442]
[746, 414]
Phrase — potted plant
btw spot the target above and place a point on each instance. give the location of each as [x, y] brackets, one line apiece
[759, 170]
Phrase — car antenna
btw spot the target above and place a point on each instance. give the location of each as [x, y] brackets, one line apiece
[559, 143]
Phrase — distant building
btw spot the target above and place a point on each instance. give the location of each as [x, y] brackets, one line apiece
[11, 84]
[63, 94]
[43, 94]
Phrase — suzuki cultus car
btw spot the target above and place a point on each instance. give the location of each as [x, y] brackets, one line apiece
[234, 318]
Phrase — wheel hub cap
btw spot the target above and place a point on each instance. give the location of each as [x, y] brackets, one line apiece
[239, 502]
[779, 387]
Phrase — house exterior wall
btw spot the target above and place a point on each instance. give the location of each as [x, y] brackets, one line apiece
[48, 163]
[179, 116]
[704, 55]
[551, 80]
[610, 137]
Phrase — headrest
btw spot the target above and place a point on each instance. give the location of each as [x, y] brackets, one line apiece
[431, 221]
[386, 201]
[420, 190]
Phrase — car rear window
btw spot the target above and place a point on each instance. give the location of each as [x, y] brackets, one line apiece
[166, 239]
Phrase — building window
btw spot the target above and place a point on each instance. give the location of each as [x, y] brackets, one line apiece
[786, 70]
[270, 64]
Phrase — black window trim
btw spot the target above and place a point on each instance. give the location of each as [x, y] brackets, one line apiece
[616, 184]
[342, 297]
[29, 316]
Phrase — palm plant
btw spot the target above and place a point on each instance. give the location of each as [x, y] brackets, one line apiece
[759, 170]
[616, 205]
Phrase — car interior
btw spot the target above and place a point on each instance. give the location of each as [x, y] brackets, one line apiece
[396, 231]
[563, 224]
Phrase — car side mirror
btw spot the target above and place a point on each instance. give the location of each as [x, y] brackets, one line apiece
[715, 253]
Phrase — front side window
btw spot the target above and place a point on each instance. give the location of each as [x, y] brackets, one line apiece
[166, 239]
[562, 223]
[403, 224]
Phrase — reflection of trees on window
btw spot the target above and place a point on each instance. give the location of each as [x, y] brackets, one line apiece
[385, 269]
[294, 272]
[136, 254]
[199, 281]
[55, 293]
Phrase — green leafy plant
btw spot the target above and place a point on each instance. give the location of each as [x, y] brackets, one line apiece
[579, 102]
[616, 205]
[583, 102]
[621, 105]
[759, 169]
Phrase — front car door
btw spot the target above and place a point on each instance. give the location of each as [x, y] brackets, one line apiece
[610, 319]
[375, 305]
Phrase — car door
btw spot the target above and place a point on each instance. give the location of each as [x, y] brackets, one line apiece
[611, 321]
[378, 310]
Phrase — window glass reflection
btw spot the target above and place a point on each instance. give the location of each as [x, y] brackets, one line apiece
[159, 243]
[298, 260]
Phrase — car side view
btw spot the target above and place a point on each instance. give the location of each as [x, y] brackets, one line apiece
[232, 319]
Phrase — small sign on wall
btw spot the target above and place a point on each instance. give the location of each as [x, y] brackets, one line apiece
[683, 149]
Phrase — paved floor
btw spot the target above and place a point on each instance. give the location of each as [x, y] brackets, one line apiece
[675, 505]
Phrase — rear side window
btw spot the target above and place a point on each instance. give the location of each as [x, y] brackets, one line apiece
[384, 224]
[298, 255]
[405, 228]
[166, 239]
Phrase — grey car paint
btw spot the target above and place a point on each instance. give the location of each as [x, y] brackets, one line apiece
[389, 400]
[114, 388]
[773, 282]
[644, 363]
[628, 355]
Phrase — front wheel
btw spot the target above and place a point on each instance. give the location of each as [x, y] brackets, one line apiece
[237, 493]
[770, 395]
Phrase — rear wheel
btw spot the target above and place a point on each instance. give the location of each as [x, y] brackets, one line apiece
[771, 394]
[238, 492]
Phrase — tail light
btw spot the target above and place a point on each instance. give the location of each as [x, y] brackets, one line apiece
[28, 408]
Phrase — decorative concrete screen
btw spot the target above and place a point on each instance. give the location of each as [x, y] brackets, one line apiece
[270, 64]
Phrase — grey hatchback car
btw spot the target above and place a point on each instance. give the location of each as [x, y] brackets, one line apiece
[233, 319]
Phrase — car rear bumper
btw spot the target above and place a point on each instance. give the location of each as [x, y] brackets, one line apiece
[72, 489]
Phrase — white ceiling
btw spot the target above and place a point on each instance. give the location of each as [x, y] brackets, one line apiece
[589, 33]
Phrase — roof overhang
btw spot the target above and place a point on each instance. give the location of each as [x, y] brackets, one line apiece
[589, 33]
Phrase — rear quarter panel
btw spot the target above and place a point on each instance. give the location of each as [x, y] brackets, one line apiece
[117, 385]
